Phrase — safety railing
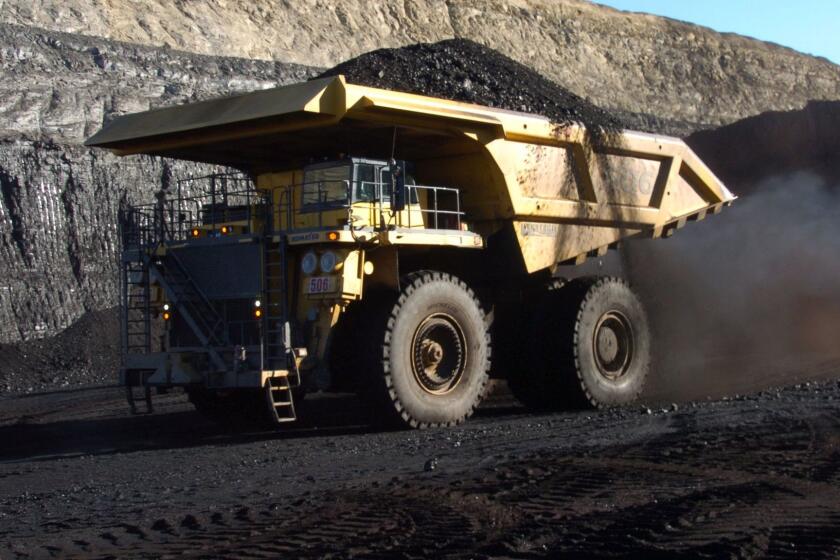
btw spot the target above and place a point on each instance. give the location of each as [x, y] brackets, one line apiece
[435, 216]
[185, 215]
[138, 227]
[199, 205]
[203, 205]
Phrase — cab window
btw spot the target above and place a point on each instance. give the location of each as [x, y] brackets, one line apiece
[365, 185]
[385, 180]
[326, 186]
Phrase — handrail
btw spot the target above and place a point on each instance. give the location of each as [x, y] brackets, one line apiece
[173, 219]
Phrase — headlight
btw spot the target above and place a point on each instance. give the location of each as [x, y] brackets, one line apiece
[308, 263]
[328, 261]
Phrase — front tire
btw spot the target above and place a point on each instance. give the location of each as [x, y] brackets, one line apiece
[430, 353]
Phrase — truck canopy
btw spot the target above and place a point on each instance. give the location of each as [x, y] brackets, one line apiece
[296, 123]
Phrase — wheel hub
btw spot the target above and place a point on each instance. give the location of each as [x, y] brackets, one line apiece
[438, 354]
[613, 345]
[432, 354]
[607, 344]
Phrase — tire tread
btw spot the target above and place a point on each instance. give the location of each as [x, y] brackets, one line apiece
[384, 378]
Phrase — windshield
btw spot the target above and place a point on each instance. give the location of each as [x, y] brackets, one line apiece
[326, 186]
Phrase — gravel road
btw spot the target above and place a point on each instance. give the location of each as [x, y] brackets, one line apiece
[747, 476]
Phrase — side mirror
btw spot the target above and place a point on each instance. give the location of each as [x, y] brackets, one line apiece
[397, 186]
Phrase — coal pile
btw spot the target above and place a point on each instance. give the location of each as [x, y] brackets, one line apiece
[780, 143]
[88, 352]
[463, 70]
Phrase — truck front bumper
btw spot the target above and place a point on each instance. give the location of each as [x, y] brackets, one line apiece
[171, 369]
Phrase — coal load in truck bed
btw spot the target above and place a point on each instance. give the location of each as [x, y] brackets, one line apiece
[463, 70]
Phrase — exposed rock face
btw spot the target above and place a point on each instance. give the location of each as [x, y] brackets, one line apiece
[58, 209]
[621, 61]
[58, 242]
[65, 86]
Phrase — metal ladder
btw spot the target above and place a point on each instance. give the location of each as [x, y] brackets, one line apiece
[278, 354]
[136, 308]
[280, 399]
[275, 291]
[135, 314]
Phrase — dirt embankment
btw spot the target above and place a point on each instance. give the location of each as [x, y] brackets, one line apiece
[747, 153]
[683, 74]
[87, 352]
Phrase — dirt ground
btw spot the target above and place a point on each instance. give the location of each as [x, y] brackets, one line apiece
[752, 476]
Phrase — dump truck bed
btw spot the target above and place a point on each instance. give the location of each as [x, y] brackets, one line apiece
[563, 197]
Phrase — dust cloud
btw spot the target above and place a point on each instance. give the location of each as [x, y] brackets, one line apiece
[748, 299]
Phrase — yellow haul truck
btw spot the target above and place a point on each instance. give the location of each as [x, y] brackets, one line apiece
[378, 241]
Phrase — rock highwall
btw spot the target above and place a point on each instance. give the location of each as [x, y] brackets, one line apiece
[58, 242]
[619, 60]
[65, 87]
[59, 203]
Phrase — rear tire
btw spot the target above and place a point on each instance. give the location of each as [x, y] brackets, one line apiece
[611, 345]
[598, 349]
[429, 353]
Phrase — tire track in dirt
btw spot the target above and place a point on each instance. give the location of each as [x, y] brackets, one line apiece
[754, 476]
[539, 506]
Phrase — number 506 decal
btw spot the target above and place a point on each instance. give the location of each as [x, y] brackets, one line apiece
[320, 285]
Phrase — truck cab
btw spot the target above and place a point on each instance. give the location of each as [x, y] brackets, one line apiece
[365, 191]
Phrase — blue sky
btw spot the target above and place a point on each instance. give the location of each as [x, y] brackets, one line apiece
[810, 26]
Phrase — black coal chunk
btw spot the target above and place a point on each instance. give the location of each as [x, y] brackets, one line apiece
[463, 70]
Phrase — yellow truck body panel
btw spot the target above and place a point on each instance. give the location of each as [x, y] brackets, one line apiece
[565, 198]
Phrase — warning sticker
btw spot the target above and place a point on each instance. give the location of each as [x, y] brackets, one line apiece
[539, 229]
